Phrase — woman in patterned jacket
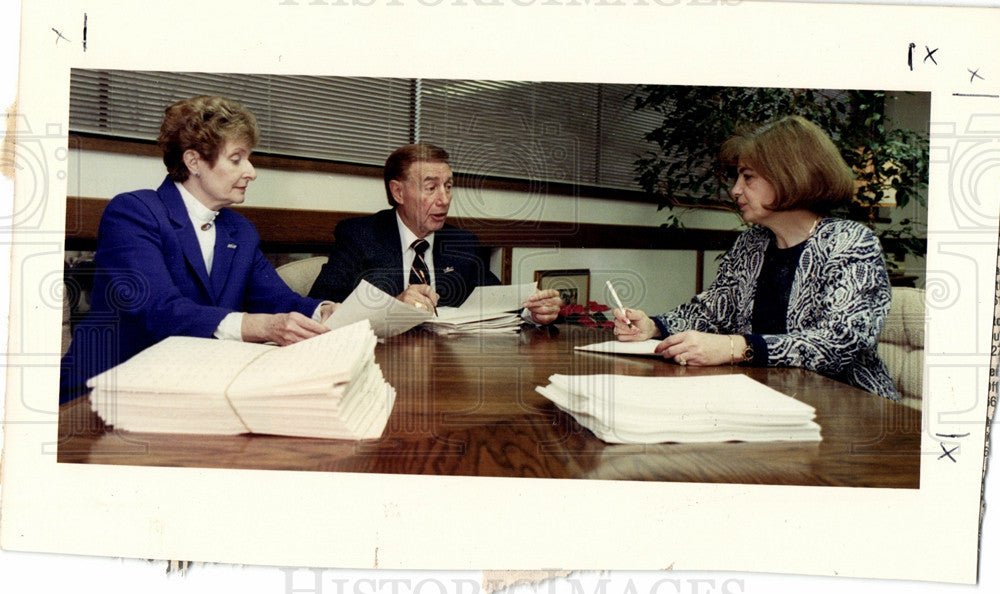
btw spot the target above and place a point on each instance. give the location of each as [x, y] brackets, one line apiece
[797, 289]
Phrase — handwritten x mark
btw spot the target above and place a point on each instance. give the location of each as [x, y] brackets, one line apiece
[948, 452]
[930, 54]
[59, 34]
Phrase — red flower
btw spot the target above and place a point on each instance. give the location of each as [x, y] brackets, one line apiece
[596, 307]
[590, 315]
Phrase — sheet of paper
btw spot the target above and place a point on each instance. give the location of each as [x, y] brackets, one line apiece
[489, 300]
[614, 347]
[388, 316]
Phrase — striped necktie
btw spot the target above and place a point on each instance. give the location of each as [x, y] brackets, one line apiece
[419, 273]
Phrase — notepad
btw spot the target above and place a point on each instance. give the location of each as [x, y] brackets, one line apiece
[631, 409]
[328, 386]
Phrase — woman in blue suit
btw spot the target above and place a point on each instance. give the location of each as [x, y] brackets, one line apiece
[799, 288]
[176, 261]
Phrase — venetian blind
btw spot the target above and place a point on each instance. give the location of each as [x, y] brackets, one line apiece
[572, 133]
[351, 120]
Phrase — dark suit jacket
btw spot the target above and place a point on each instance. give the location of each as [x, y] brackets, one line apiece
[369, 248]
[151, 282]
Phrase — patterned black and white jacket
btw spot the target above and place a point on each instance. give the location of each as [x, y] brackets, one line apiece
[838, 304]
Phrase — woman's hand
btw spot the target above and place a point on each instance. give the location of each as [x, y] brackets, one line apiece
[326, 309]
[420, 296]
[634, 325]
[544, 306]
[701, 348]
[282, 329]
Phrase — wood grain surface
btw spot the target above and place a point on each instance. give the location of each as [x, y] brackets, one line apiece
[467, 406]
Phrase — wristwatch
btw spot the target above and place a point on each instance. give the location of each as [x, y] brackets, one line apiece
[748, 351]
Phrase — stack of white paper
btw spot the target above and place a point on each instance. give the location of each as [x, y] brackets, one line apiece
[488, 309]
[327, 386]
[630, 409]
[449, 322]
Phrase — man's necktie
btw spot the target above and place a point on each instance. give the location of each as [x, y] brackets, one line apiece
[419, 273]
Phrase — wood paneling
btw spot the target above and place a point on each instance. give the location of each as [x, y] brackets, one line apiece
[312, 230]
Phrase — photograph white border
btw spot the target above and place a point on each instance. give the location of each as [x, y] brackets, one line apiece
[314, 519]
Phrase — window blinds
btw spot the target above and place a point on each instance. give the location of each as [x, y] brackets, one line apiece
[571, 133]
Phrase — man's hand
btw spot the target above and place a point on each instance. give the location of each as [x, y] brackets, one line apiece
[544, 306]
[282, 329]
[420, 296]
[633, 325]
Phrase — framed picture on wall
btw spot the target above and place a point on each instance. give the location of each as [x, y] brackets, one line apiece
[573, 284]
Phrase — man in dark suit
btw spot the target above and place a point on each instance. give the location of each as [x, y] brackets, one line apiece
[409, 251]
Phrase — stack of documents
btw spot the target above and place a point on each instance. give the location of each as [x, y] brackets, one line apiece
[630, 409]
[488, 309]
[327, 386]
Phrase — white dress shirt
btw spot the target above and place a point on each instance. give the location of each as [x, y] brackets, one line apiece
[406, 239]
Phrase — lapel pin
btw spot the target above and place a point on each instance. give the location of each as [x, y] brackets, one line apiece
[231, 246]
[448, 269]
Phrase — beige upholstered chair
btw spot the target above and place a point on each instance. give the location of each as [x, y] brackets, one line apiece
[901, 345]
[301, 274]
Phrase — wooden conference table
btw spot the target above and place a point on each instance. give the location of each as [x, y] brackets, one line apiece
[467, 406]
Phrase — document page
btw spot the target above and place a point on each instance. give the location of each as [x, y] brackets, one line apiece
[180, 365]
[489, 300]
[388, 316]
[614, 347]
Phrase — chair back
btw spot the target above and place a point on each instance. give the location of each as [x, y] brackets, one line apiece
[301, 274]
[901, 344]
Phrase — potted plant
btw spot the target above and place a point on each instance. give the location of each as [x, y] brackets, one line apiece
[682, 167]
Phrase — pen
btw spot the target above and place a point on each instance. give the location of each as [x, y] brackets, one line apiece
[423, 279]
[618, 302]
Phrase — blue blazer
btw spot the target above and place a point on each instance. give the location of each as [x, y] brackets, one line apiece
[369, 248]
[151, 282]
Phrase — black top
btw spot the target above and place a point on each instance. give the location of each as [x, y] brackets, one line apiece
[774, 285]
[770, 306]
